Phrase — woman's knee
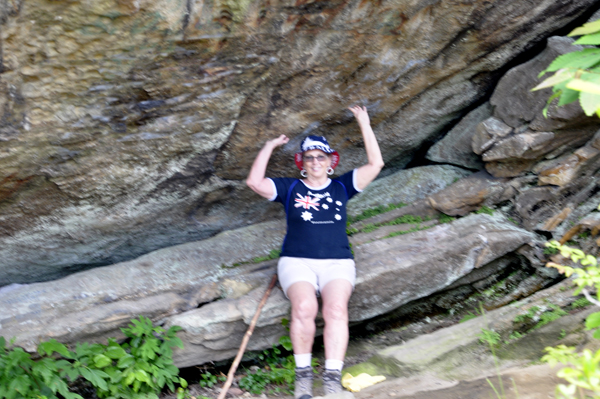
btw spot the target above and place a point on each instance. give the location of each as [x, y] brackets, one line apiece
[335, 312]
[305, 308]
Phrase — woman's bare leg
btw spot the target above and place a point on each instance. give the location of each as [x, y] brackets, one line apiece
[303, 297]
[336, 295]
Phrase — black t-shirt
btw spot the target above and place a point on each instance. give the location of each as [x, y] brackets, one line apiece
[316, 217]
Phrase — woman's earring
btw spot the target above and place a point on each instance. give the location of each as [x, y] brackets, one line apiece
[330, 170]
[303, 173]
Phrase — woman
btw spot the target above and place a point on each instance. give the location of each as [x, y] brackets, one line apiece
[316, 257]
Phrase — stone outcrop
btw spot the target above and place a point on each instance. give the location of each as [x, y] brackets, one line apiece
[471, 193]
[196, 286]
[128, 126]
[518, 136]
[456, 146]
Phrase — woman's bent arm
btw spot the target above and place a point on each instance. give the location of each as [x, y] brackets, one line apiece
[368, 172]
[256, 178]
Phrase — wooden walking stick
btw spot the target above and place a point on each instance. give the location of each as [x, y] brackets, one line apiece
[240, 353]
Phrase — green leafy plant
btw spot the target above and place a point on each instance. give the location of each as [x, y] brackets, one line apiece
[550, 251]
[209, 380]
[278, 371]
[23, 377]
[136, 369]
[582, 371]
[490, 337]
[576, 75]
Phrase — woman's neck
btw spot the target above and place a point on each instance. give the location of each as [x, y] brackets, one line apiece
[315, 182]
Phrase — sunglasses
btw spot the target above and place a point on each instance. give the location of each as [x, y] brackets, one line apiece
[309, 158]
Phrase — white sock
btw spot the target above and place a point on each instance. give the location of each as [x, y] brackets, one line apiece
[332, 364]
[303, 360]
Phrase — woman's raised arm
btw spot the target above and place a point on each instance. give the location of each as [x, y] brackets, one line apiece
[256, 178]
[368, 172]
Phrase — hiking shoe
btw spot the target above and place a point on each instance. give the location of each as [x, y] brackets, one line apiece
[304, 383]
[332, 381]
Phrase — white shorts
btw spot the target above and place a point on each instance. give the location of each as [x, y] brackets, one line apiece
[318, 272]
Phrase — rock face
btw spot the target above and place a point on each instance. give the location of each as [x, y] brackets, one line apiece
[518, 136]
[456, 146]
[195, 287]
[128, 126]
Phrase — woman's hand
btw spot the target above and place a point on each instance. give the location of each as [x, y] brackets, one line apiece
[279, 141]
[361, 115]
[369, 171]
[256, 178]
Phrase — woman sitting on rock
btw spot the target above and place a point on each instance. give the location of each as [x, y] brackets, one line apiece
[316, 257]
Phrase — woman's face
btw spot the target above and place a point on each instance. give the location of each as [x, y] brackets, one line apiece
[316, 163]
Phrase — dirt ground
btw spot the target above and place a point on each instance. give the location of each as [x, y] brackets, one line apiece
[533, 382]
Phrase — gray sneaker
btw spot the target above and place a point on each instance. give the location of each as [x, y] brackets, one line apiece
[332, 381]
[304, 383]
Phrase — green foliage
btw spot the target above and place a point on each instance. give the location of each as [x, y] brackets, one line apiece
[405, 219]
[527, 317]
[486, 210]
[586, 277]
[542, 316]
[411, 230]
[286, 342]
[256, 382]
[273, 254]
[490, 337]
[443, 218]
[577, 74]
[563, 334]
[515, 335]
[580, 303]
[547, 317]
[374, 212]
[582, 371]
[136, 369]
[583, 235]
[209, 380]
[468, 316]
[277, 370]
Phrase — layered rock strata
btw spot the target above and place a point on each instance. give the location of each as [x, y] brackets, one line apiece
[128, 126]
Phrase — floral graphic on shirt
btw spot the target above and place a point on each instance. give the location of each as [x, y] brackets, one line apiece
[306, 202]
[306, 216]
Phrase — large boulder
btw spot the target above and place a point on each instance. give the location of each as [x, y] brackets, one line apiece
[471, 193]
[518, 135]
[406, 186]
[128, 126]
[456, 146]
[203, 288]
